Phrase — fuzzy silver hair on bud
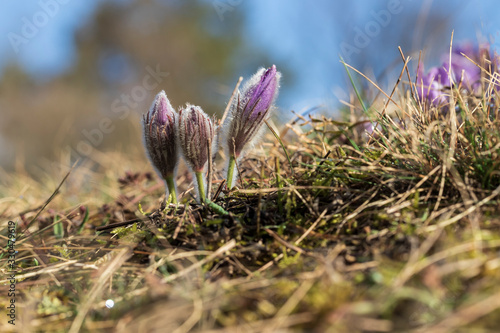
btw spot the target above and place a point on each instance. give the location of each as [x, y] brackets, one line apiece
[196, 135]
[160, 140]
[248, 113]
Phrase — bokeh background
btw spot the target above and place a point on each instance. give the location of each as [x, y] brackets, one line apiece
[75, 76]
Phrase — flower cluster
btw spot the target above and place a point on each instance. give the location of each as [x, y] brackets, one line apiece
[463, 72]
[191, 131]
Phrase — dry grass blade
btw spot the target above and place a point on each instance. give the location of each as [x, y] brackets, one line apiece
[52, 196]
[465, 315]
[106, 274]
[283, 242]
[228, 106]
[405, 67]
[311, 228]
[375, 85]
[460, 216]
[227, 247]
[287, 308]
[282, 145]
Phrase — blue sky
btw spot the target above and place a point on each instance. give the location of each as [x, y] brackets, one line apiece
[49, 49]
[307, 36]
[310, 42]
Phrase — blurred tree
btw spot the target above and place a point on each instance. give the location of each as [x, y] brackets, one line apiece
[172, 36]
[125, 55]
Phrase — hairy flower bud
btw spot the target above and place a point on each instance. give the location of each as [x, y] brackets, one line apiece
[248, 112]
[160, 137]
[196, 132]
[251, 107]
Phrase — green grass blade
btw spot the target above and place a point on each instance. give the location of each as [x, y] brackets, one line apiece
[282, 145]
[58, 228]
[354, 86]
[85, 219]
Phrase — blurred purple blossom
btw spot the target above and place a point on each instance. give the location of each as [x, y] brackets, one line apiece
[433, 85]
[464, 72]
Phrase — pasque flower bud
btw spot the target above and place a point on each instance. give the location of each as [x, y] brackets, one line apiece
[251, 108]
[196, 134]
[249, 111]
[160, 139]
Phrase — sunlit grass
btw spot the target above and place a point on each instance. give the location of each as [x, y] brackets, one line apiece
[391, 230]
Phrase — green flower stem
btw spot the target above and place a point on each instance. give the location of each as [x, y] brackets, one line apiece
[206, 201]
[230, 172]
[171, 188]
[201, 186]
[216, 208]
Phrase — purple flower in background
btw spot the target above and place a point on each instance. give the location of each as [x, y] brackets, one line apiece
[464, 72]
[370, 128]
[160, 140]
[432, 86]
